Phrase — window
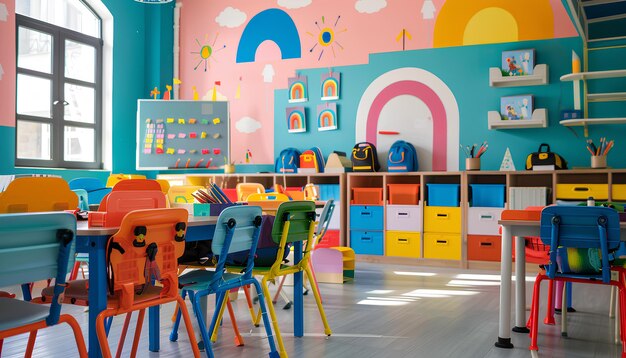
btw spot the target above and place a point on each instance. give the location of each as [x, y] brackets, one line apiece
[59, 85]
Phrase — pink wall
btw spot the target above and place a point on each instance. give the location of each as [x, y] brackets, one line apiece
[7, 60]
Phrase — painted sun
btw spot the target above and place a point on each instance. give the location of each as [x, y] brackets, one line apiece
[326, 37]
[206, 52]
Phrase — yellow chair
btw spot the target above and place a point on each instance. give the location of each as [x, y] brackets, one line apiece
[245, 189]
[269, 202]
[36, 194]
[182, 193]
[115, 178]
[165, 185]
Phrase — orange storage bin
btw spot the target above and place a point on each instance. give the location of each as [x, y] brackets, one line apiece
[484, 247]
[404, 194]
[330, 239]
[367, 196]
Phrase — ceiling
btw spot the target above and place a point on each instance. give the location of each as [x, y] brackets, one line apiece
[600, 19]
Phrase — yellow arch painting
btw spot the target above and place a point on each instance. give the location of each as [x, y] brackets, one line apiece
[462, 22]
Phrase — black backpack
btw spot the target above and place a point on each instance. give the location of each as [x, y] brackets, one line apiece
[364, 158]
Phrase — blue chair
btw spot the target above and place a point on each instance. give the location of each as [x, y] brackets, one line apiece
[83, 199]
[237, 229]
[586, 238]
[34, 247]
[94, 187]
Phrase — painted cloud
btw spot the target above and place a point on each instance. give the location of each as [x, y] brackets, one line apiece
[4, 13]
[231, 17]
[370, 6]
[294, 4]
[247, 125]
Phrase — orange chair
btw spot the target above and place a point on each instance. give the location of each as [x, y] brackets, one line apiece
[145, 248]
[27, 195]
[116, 178]
[245, 189]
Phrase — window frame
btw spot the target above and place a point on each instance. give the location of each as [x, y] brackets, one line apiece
[58, 81]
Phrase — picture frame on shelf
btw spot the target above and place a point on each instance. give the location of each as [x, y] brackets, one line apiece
[518, 62]
[516, 107]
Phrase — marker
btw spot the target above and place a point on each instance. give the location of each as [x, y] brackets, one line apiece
[388, 132]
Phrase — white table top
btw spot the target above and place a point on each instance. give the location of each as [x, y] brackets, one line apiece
[82, 228]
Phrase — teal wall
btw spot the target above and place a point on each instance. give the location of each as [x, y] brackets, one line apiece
[465, 70]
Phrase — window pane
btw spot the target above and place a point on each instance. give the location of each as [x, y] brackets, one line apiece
[80, 61]
[33, 140]
[80, 106]
[71, 14]
[79, 144]
[34, 50]
[33, 96]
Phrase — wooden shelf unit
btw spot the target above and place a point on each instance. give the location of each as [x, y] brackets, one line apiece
[540, 76]
[539, 119]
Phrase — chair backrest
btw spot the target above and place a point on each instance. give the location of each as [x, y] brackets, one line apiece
[237, 229]
[300, 214]
[115, 178]
[182, 193]
[583, 228]
[267, 197]
[119, 203]
[37, 194]
[37, 246]
[83, 198]
[324, 219]
[245, 189]
[137, 184]
[96, 190]
[141, 230]
[165, 185]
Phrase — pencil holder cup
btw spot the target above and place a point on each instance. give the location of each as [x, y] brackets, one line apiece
[229, 168]
[472, 163]
[598, 161]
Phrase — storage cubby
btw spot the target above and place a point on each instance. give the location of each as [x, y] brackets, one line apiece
[580, 185]
[618, 186]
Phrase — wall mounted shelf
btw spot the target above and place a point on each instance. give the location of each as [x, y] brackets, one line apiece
[539, 77]
[539, 119]
[591, 121]
[593, 75]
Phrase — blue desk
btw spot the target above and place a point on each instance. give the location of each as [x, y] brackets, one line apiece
[92, 240]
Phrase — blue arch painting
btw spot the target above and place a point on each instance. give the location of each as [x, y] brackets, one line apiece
[274, 25]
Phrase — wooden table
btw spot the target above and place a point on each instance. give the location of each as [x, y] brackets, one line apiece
[518, 229]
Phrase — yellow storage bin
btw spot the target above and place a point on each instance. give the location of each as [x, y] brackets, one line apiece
[582, 191]
[619, 192]
[445, 219]
[442, 246]
[402, 243]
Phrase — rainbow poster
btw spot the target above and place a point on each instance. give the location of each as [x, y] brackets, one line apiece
[330, 86]
[298, 89]
[327, 117]
[296, 120]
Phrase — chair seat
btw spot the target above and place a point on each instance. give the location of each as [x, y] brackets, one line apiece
[76, 292]
[16, 313]
[199, 279]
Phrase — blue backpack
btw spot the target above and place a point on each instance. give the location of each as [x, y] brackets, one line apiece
[402, 157]
[287, 161]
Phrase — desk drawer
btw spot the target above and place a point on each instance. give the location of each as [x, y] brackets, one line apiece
[442, 219]
[402, 243]
[484, 247]
[367, 242]
[582, 191]
[442, 246]
[619, 192]
[404, 217]
[365, 217]
[483, 221]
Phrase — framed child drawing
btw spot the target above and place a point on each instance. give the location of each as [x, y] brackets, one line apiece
[516, 107]
[518, 62]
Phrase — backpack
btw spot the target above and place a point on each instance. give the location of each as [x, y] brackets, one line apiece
[312, 161]
[287, 161]
[545, 157]
[364, 158]
[402, 157]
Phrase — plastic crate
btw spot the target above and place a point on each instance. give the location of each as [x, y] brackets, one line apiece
[367, 196]
[487, 195]
[443, 194]
[404, 194]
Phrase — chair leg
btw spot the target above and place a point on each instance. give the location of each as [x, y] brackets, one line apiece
[176, 319]
[315, 280]
[74, 272]
[268, 330]
[268, 299]
[238, 338]
[535, 312]
[202, 325]
[549, 320]
[318, 300]
[564, 310]
[216, 320]
[140, 318]
[30, 346]
[246, 291]
[78, 334]
[189, 328]
[102, 335]
[612, 304]
[622, 316]
[616, 310]
[120, 344]
[279, 290]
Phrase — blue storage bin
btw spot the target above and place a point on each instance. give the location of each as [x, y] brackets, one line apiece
[367, 242]
[329, 191]
[366, 217]
[443, 194]
[487, 195]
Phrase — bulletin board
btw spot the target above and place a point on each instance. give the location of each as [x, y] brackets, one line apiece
[182, 134]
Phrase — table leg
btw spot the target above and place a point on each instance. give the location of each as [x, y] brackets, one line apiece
[504, 337]
[520, 286]
[97, 289]
[154, 328]
[298, 298]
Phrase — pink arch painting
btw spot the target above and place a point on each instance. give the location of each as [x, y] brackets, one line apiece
[434, 103]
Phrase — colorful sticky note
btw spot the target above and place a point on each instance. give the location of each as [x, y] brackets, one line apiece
[170, 120]
[216, 151]
[216, 121]
[171, 136]
[181, 120]
[160, 120]
[216, 136]
[170, 150]
[193, 135]
[182, 135]
[192, 121]
[159, 150]
[148, 120]
[193, 151]
[203, 135]
[205, 121]
[181, 151]
[205, 151]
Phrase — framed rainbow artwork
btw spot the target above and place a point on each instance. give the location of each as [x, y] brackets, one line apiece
[326, 116]
[330, 86]
[296, 120]
[298, 91]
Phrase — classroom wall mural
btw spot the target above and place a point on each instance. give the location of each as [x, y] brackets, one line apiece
[268, 41]
[7, 63]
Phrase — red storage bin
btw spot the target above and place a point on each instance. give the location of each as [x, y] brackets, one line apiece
[404, 194]
[484, 247]
[367, 196]
[330, 239]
